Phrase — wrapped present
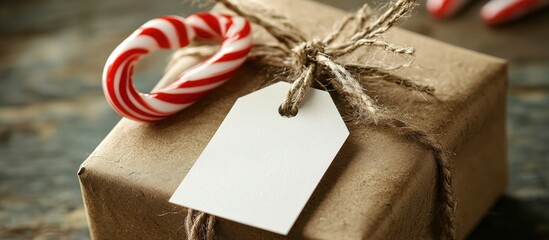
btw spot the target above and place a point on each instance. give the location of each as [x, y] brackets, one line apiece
[380, 186]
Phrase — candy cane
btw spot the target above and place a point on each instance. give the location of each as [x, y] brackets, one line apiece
[172, 32]
[444, 8]
[500, 11]
[493, 12]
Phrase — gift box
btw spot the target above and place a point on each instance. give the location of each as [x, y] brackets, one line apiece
[380, 185]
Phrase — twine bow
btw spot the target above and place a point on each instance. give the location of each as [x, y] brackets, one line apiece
[309, 60]
[323, 61]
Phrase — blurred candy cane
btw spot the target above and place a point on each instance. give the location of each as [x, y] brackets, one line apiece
[494, 12]
[500, 11]
[444, 8]
[172, 32]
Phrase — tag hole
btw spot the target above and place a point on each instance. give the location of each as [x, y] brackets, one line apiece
[288, 114]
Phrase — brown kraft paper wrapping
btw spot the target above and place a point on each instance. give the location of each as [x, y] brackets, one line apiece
[380, 185]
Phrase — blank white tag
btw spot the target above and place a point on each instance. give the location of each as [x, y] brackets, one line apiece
[260, 168]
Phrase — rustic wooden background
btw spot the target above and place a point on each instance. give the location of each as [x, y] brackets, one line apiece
[53, 114]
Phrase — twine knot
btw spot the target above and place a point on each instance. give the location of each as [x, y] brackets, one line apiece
[306, 52]
[305, 57]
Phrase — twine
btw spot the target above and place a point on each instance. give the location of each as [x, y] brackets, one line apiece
[320, 61]
[199, 225]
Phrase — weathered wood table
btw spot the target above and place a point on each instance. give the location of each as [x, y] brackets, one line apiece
[53, 114]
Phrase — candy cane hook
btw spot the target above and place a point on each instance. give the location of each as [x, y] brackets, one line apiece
[172, 32]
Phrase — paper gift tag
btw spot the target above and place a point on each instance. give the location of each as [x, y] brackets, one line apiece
[260, 168]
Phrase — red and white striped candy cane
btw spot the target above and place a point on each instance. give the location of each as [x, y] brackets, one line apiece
[444, 8]
[500, 11]
[493, 12]
[172, 32]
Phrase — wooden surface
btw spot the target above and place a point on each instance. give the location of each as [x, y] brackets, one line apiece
[53, 114]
